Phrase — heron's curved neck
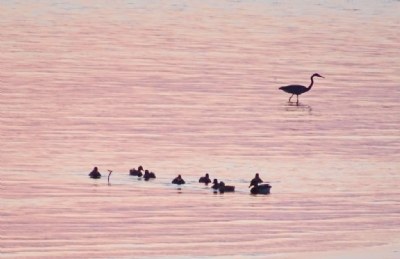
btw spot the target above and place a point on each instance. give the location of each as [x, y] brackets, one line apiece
[311, 84]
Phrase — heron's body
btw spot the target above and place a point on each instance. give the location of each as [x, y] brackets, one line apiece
[298, 89]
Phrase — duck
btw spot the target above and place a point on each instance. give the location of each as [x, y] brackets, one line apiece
[95, 174]
[215, 185]
[255, 180]
[148, 175]
[205, 179]
[178, 180]
[260, 189]
[225, 188]
[137, 172]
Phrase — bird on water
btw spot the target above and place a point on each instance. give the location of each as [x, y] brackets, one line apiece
[299, 89]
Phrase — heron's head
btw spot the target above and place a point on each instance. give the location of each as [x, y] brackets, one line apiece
[318, 75]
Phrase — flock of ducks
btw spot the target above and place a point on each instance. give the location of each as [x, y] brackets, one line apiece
[256, 183]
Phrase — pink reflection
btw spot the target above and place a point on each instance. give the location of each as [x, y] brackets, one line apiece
[188, 88]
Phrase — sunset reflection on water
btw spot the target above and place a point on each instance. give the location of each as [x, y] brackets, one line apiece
[189, 87]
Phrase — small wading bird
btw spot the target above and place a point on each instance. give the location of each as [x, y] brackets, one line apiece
[298, 89]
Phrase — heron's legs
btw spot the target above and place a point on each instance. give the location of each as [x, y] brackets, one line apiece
[291, 97]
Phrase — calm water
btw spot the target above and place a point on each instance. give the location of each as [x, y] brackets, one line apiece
[191, 87]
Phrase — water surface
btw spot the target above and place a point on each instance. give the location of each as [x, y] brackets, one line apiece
[189, 87]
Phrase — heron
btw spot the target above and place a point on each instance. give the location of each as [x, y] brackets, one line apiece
[298, 89]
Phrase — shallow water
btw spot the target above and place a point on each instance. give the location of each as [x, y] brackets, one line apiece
[191, 87]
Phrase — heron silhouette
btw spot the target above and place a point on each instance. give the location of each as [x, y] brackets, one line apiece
[298, 89]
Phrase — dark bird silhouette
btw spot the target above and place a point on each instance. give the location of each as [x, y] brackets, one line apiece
[215, 185]
[137, 172]
[95, 174]
[298, 89]
[256, 180]
[178, 180]
[205, 179]
[260, 188]
[148, 175]
[225, 188]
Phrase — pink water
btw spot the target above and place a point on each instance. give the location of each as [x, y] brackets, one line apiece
[189, 87]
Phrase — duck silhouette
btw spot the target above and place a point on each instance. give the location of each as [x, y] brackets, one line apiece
[148, 175]
[137, 172]
[205, 179]
[260, 188]
[215, 185]
[95, 174]
[178, 180]
[225, 188]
